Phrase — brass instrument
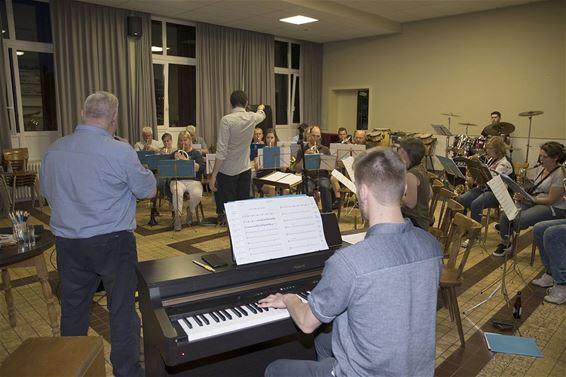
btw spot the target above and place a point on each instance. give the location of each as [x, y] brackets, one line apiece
[184, 153]
[315, 148]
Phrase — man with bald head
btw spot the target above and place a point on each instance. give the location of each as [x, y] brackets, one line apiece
[92, 183]
[360, 137]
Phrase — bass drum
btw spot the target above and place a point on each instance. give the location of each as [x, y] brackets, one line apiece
[463, 145]
[379, 137]
[479, 145]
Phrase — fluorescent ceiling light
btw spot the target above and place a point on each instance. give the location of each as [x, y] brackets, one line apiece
[298, 20]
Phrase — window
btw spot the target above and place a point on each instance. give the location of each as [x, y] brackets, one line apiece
[174, 69]
[30, 67]
[287, 83]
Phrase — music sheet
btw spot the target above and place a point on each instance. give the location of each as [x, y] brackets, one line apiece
[344, 180]
[500, 191]
[270, 228]
[348, 164]
[353, 239]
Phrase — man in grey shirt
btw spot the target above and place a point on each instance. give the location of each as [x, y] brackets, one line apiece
[231, 176]
[380, 294]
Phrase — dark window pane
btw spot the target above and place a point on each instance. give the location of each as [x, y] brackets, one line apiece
[180, 40]
[182, 95]
[156, 37]
[32, 20]
[37, 83]
[3, 19]
[297, 104]
[159, 80]
[281, 95]
[295, 55]
[14, 97]
[281, 59]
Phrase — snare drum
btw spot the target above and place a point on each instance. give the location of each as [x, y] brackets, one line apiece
[479, 145]
[379, 137]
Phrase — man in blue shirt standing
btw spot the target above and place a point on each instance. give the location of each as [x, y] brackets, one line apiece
[379, 294]
[92, 182]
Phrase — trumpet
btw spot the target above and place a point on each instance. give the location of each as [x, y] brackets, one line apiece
[315, 148]
[347, 140]
[183, 153]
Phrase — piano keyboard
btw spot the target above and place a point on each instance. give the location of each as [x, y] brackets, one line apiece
[223, 321]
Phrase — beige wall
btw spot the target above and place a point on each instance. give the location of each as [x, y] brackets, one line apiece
[510, 59]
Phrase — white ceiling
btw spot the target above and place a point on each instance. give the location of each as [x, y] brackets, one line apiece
[338, 20]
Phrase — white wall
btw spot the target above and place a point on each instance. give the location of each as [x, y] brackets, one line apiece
[510, 59]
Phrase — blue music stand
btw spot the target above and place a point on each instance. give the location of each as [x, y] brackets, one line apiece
[271, 158]
[143, 155]
[176, 169]
[312, 161]
[153, 160]
[253, 150]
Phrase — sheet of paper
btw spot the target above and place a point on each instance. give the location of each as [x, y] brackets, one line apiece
[500, 191]
[348, 164]
[275, 176]
[344, 180]
[353, 239]
[270, 228]
[291, 179]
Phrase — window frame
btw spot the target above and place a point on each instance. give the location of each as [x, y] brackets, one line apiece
[292, 74]
[164, 60]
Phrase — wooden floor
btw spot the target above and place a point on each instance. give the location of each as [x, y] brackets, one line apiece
[544, 322]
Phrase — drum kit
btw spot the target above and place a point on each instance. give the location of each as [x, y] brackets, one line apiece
[530, 114]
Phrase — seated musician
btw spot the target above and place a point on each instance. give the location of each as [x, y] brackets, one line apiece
[481, 197]
[360, 137]
[318, 179]
[191, 185]
[550, 238]
[548, 192]
[416, 198]
[148, 143]
[343, 136]
[383, 323]
[258, 136]
[167, 141]
[198, 139]
[271, 140]
[306, 129]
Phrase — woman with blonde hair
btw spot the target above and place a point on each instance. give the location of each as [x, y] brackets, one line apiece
[481, 197]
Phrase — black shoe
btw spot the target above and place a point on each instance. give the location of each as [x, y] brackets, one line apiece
[336, 204]
[497, 227]
[502, 250]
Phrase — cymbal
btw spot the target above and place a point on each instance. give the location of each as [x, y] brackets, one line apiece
[533, 113]
[497, 129]
[450, 115]
[468, 124]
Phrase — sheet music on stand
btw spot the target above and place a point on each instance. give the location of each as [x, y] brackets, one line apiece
[441, 129]
[450, 167]
[197, 147]
[349, 166]
[271, 228]
[479, 172]
[342, 151]
[293, 145]
[514, 186]
[210, 159]
[274, 157]
[320, 162]
[176, 169]
[344, 180]
[502, 195]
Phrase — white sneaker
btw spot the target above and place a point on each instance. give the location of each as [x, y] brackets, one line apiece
[465, 243]
[544, 281]
[556, 295]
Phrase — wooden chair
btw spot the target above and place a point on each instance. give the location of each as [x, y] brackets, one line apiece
[436, 189]
[449, 209]
[17, 174]
[452, 274]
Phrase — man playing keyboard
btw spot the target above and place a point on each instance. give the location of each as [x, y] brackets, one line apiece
[379, 294]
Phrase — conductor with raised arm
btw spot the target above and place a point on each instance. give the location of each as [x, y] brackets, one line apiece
[92, 182]
[231, 176]
[383, 323]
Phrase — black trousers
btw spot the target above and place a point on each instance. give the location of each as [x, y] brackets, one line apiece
[82, 263]
[232, 187]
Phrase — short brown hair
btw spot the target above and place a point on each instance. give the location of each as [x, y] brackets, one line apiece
[238, 98]
[383, 171]
[555, 150]
[415, 150]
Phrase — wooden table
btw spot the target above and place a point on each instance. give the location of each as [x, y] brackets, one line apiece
[21, 256]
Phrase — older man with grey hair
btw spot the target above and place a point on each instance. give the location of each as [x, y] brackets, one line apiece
[92, 182]
[148, 143]
[199, 140]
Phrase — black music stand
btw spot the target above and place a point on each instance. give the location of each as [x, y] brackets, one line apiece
[150, 160]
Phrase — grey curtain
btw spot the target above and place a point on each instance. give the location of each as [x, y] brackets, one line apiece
[91, 53]
[311, 75]
[5, 137]
[227, 60]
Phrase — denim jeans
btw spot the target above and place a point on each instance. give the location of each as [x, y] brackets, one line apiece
[477, 199]
[529, 216]
[323, 367]
[325, 190]
[550, 238]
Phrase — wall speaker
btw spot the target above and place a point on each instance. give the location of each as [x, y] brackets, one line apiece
[134, 26]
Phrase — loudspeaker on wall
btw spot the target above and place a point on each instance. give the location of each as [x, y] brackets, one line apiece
[134, 26]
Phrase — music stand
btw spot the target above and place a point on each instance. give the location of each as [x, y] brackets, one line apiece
[342, 151]
[176, 169]
[142, 156]
[440, 129]
[450, 167]
[479, 172]
[151, 161]
[253, 150]
[320, 162]
[270, 158]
